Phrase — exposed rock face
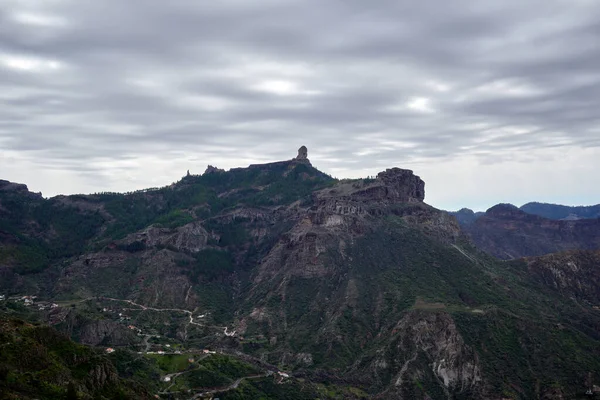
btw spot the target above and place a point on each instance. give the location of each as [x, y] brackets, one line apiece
[211, 170]
[341, 212]
[302, 154]
[11, 186]
[507, 233]
[402, 185]
[98, 332]
[6, 186]
[328, 278]
[434, 337]
[189, 238]
[574, 274]
[391, 186]
[102, 375]
[105, 332]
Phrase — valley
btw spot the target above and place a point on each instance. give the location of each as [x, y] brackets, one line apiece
[279, 281]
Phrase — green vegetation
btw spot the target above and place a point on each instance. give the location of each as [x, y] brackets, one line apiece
[48, 231]
[347, 306]
[204, 372]
[208, 265]
[218, 371]
[38, 362]
[174, 219]
[270, 389]
[172, 363]
[555, 211]
[43, 231]
[528, 353]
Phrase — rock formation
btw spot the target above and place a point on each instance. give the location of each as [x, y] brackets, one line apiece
[19, 188]
[211, 170]
[302, 154]
[402, 185]
[574, 274]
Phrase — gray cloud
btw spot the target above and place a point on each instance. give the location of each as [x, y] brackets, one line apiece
[113, 94]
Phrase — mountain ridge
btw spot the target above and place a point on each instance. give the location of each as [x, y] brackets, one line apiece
[359, 281]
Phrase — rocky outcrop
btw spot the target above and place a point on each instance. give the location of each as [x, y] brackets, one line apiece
[108, 333]
[212, 170]
[393, 185]
[101, 375]
[361, 197]
[426, 345]
[189, 238]
[19, 188]
[574, 274]
[402, 185]
[98, 332]
[302, 154]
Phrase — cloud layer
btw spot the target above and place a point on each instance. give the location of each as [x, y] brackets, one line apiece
[115, 95]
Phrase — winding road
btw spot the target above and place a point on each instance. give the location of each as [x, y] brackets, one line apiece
[233, 386]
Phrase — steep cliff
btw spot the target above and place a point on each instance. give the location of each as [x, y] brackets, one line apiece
[355, 283]
[507, 233]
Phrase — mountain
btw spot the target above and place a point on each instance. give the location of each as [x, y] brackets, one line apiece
[347, 288]
[508, 232]
[574, 274]
[556, 211]
[466, 216]
[38, 362]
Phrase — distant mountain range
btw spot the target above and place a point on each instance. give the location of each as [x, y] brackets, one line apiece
[556, 211]
[467, 216]
[298, 286]
[508, 232]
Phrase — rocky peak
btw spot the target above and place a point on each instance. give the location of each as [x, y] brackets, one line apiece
[212, 170]
[402, 185]
[504, 210]
[466, 216]
[393, 185]
[6, 186]
[302, 154]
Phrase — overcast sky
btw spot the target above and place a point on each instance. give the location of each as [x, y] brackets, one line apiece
[488, 101]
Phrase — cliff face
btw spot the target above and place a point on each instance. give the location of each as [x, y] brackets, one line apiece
[356, 280]
[507, 233]
[428, 346]
[574, 274]
[17, 188]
